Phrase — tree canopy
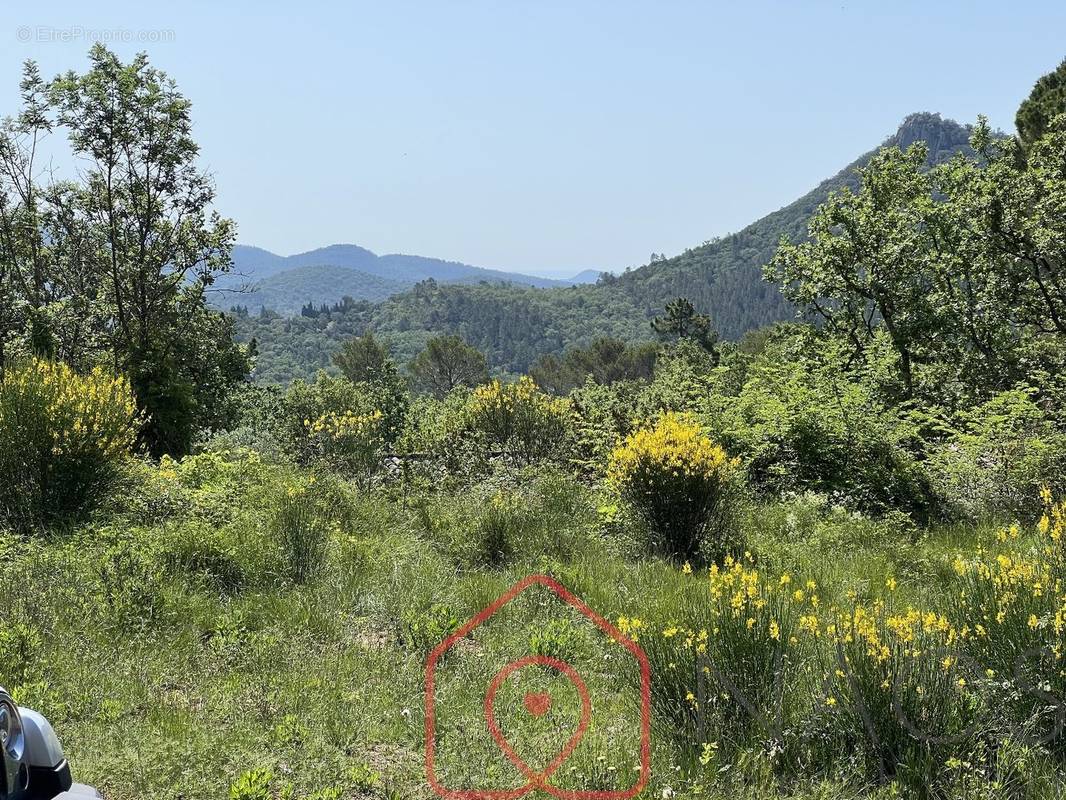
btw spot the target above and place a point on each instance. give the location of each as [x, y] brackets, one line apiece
[114, 266]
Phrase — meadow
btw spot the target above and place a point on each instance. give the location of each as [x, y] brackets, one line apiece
[251, 624]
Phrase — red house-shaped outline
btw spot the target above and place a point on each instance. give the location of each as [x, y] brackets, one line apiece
[509, 794]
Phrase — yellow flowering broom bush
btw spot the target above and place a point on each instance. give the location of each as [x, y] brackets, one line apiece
[928, 697]
[899, 694]
[724, 666]
[518, 419]
[348, 442]
[679, 482]
[62, 436]
[1012, 601]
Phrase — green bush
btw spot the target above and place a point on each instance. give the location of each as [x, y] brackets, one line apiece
[436, 444]
[327, 397]
[799, 423]
[19, 648]
[600, 415]
[518, 421]
[1000, 456]
[63, 437]
[252, 785]
[423, 630]
[558, 639]
[350, 444]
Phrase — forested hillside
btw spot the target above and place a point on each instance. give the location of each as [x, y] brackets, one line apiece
[513, 324]
[723, 278]
[289, 290]
[326, 275]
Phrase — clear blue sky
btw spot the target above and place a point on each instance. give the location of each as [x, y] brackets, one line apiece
[538, 135]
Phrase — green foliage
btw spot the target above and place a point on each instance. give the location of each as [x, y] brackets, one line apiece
[518, 421]
[1044, 103]
[425, 629]
[435, 443]
[601, 414]
[19, 644]
[363, 359]
[558, 639]
[958, 268]
[301, 534]
[204, 554]
[682, 322]
[801, 423]
[685, 378]
[446, 363]
[253, 784]
[113, 267]
[63, 438]
[1001, 455]
[607, 360]
[130, 579]
[496, 535]
[311, 423]
[868, 258]
[349, 444]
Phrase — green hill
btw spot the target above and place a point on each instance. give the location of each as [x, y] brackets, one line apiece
[515, 324]
[289, 290]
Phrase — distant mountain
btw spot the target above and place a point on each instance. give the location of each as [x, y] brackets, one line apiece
[586, 276]
[513, 324]
[286, 283]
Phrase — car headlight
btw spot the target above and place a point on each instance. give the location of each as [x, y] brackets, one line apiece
[12, 734]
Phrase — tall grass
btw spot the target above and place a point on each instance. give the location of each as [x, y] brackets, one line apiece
[301, 535]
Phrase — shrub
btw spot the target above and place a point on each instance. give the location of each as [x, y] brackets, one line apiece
[253, 784]
[301, 535]
[901, 695]
[800, 423]
[1003, 452]
[326, 397]
[1012, 595]
[349, 443]
[422, 631]
[517, 419]
[497, 530]
[63, 437]
[558, 638]
[678, 481]
[435, 445]
[600, 415]
[725, 654]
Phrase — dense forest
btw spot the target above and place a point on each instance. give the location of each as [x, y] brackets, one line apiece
[783, 517]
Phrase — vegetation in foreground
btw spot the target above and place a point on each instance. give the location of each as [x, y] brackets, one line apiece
[255, 619]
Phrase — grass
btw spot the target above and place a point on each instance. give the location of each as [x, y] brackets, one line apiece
[195, 641]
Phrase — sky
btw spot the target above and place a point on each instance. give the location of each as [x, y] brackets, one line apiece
[541, 136]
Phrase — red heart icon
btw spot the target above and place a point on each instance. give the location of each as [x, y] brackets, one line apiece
[538, 704]
[537, 780]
